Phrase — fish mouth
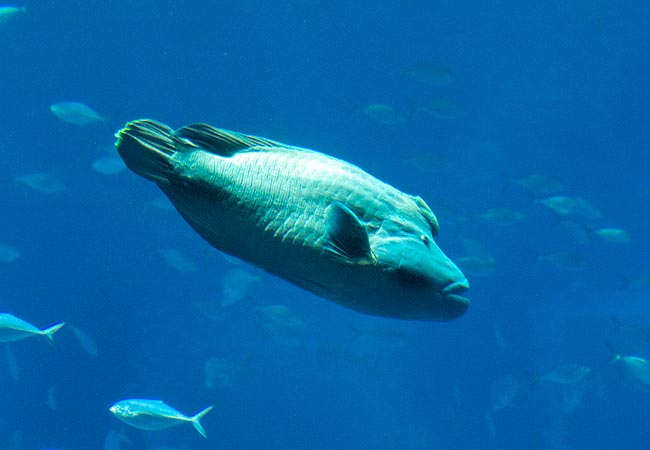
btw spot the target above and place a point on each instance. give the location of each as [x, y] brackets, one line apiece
[455, 303]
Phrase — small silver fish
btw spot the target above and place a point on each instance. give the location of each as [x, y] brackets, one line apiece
[14, 329]
[75, 113]
[565, 261]
[41, 182]
[384, 114]
[236, 285]
[114, 439]
[9, 13]
[635, 367]
[282, 324]
[178, 260]
[576, 208]
[569, 373]
[146, 414]
[501, 216]
[539, 185]
[109, 165]
[573, 396]
[440, 108]
[385, 335]
[224, 372]
[615, 235]
[428, 163]
[432, 74]
[504, 391]
[280, 315]
[477, 265]
[161, 203]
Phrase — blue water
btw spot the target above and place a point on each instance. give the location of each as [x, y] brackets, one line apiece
[558, 88]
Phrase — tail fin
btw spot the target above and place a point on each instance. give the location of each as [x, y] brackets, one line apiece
[615, 355]
[49, 333]
[146, 147]
[195, 420]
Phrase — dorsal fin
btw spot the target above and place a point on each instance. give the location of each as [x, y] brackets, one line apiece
[221, 142]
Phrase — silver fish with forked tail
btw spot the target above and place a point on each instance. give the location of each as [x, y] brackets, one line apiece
[314, 220]
[14, 329]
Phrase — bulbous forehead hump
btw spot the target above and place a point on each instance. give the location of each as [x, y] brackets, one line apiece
[428, 215]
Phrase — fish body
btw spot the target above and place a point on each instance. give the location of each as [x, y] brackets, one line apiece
[569, 373]
[280, 315]
[384, 114]
[14, 329]
[152, 415]
[440, 108]
[41, 182]
[75, 113]
[224, 372]
[428, 163]
[615, 235]
[504, 391]
[635, 367]
[565, 260]
[478, 265]
[576, 208]
[539, 185]
[8, 13]
[316, 221]
[432, 74]
[108, 165]
[501, 216]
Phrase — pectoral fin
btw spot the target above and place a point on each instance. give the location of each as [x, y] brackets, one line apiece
[347, 237]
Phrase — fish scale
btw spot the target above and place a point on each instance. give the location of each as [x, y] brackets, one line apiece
[281, 208]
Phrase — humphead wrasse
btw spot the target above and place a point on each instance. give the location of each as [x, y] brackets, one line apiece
[314, 220]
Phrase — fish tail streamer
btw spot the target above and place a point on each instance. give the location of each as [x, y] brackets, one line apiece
[197, 417]
[146, 146]
[49, 332]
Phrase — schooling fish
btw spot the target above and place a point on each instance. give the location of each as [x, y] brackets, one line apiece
[314, 220]
[14, 329]
[75, 113]
[154, 415]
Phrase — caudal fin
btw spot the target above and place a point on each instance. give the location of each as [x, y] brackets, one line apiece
[49, 332]
[146, 147]
[195, 420]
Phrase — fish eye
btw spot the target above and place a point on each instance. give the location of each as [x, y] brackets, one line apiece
[425, 239]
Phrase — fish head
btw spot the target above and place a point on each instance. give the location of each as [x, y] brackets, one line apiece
[424, 282]
[120, 409]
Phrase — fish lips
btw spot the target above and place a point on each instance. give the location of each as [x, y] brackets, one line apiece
[429, 300]
[453, 302]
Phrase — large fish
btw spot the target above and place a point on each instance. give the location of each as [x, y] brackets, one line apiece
[317, 221]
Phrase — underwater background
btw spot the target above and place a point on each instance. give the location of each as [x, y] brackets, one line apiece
[493, 112]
